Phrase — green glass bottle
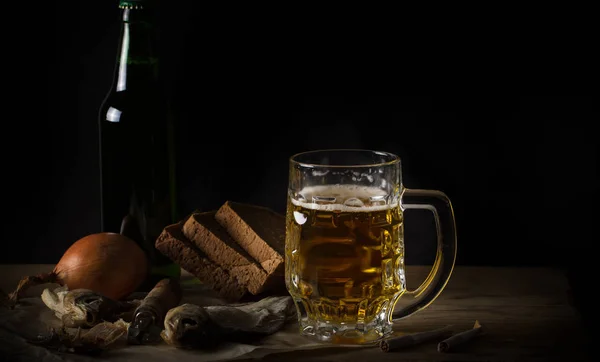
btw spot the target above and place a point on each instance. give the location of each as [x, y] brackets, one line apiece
[137, 171]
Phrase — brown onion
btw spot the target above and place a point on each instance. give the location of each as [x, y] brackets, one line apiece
[107, 263]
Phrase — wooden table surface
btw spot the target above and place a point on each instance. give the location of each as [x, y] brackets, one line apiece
[526, 313]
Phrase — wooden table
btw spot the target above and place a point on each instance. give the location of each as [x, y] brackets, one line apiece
[526, 313]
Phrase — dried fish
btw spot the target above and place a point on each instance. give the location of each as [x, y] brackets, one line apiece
[189, 326]
[193, 326]
[92, 341]
[148, 317]
[85, 308]
[263, 317]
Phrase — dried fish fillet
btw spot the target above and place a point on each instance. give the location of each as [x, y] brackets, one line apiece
[266, 316]
[189, 326]
[85, 308]
[148, 317]
[92, 341]
[193, 326]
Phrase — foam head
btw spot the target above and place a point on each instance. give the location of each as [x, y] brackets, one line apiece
[353, 198]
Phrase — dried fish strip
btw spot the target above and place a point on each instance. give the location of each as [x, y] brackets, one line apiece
[148, 318]
[92, 341]
[192, 326]
[189, 326]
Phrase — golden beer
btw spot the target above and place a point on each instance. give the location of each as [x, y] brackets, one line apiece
[344, 252]
[344, 258]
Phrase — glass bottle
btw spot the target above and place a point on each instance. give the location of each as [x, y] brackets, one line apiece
[137, 171]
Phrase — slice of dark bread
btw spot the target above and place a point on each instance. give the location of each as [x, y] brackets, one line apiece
[207, 234]
[173, 244]
[259, 230]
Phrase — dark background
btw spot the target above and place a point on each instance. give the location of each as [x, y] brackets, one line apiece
[520, 170]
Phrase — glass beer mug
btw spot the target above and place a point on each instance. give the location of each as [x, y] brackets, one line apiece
[344, 248]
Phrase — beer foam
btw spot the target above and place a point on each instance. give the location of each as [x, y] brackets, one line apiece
[350, 198]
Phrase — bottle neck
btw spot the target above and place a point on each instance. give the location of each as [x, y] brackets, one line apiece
[137, 61]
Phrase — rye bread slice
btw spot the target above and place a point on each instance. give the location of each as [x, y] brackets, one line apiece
[173, 244]
[207, 234]
[259, 230]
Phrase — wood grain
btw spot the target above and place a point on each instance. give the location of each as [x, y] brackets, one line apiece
[526, 313]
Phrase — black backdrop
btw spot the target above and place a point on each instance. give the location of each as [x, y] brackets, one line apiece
[520, 170]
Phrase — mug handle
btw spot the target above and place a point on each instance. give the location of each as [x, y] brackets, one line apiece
[439, 204]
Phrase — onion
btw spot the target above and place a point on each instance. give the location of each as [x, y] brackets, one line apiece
[109, 264]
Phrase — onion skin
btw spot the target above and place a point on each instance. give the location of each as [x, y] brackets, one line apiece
[109, 264]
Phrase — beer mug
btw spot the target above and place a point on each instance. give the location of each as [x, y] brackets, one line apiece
[344, 247]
